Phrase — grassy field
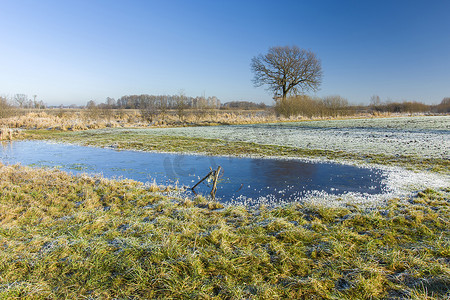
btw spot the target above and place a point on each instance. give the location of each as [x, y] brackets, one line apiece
[64, 236]
[81, 237]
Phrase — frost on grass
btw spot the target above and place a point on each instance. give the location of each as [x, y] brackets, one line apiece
[123, 242]
[422, 137]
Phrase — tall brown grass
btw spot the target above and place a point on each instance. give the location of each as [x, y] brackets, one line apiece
[83, 119]
[8, 133]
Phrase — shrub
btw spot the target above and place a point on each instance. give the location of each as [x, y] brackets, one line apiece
[444, 106]
[335, 105]
[401, 107]
[6, 110]
[298, 105]
[313, 107]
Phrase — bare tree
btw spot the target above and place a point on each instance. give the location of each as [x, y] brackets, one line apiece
[200, 106]
[107, 108]
[35, 103]
[148, 107]
[444, 106]
[21, 99]
[375, 100]
[287, 70]
[335, 104]
[92, 111]
[6, 110]
[163, 106]
[110, 102]
[181, 105]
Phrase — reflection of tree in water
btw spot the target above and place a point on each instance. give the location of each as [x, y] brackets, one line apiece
[7, 146]
[275, 173]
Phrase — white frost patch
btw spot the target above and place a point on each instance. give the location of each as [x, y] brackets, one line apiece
[422, 137]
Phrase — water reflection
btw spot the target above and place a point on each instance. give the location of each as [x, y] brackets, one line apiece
[277, 171]
[281, 179]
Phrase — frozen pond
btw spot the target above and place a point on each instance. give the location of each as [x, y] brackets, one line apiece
[275, 180]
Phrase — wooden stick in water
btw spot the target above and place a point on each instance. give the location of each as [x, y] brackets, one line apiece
[204, 178]
[214, 188]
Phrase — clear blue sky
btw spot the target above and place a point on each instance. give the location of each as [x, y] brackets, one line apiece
[73, 51]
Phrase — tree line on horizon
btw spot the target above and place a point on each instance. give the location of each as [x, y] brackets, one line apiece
[151, 106]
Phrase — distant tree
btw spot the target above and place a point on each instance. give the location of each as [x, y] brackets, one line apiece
[92, 110]
[21, 100]
[287, 70]
[110, 102]
[90, 104]
[201, 107]
[444, 106]
[375, 100]
[336, 105]
[107, 108]
[40, 104]
[148, 107]
[163, 106]
[243, 105]
[6, 109]
[36, 104]
[180, 105]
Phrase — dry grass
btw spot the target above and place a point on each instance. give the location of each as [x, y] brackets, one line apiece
[64, 122]
[80, 237]
[9, 134]
[83, 119]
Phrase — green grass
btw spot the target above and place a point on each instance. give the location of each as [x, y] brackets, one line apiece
[80, 237]
[128, 139]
